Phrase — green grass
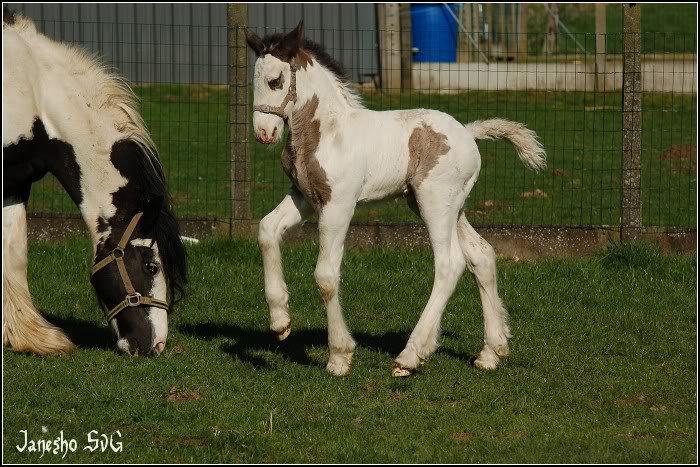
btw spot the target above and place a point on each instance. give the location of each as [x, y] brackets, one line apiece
[580, 131]
[603, 365]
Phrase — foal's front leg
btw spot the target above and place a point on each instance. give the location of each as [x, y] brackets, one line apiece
[333, 227]
[291, 211]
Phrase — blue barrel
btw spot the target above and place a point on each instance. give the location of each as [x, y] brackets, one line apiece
[434, 32]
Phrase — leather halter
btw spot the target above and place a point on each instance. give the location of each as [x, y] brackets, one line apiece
[133, 298]
[291, 96]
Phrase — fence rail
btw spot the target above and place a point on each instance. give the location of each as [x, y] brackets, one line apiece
[593, 107]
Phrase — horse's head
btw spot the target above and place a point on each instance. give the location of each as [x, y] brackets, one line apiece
[138, 270]
[274, 81]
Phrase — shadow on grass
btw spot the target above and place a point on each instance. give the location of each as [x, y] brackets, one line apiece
[85, 334]
[246, 342]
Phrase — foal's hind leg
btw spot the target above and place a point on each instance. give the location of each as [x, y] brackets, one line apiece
[23, 328]
[481, 260]
[291, 211]
[440, 215]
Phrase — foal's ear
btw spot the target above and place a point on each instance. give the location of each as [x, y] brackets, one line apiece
[150, 215]
[293, 41]
[254, 42]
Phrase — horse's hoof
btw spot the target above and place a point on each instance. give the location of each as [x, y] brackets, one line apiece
[284, 333]
[399, 372]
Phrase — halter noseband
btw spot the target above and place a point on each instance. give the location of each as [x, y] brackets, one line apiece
[291, 96]
[133, 298]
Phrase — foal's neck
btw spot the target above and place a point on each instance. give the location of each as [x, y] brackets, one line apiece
[317, 81]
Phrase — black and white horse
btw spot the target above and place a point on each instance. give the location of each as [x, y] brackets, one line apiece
[64, 113]
[339, 154]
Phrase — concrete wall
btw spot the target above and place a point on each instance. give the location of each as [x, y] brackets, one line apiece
[677, 76]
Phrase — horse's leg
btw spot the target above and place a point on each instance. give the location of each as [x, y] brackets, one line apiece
[333, 227]
[481, 260]
[23, 328]
[291, 211]
[440, 215]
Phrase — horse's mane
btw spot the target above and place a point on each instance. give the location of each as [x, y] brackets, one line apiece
[114, 95]
[151, 184]
[318, 52]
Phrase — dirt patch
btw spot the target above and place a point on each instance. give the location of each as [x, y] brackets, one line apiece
[534, 194]
[680, 152]
[180, 395]
[684, 168]
[560, 173]
[635, 400]
[462, 436]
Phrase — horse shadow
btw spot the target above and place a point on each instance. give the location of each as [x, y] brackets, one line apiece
[84, 333]
[245, 342]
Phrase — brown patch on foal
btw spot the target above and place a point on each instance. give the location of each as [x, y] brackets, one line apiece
[304, 58]
[425, 146]
[298, 159]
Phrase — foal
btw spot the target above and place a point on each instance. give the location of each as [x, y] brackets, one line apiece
[339, 154]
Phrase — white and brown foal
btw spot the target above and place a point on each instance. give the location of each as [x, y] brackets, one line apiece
[339, 154]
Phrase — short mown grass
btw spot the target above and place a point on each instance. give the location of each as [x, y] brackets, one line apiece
[603, 365]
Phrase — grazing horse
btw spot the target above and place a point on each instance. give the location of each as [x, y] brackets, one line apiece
[64, 113]
[339, 154]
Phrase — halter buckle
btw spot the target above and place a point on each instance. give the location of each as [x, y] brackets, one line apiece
[118, 250]
[133, 299]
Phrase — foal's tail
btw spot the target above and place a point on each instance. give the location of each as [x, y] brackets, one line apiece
[24, 329]
[525, 140]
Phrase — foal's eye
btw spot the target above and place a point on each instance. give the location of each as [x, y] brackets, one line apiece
[276, 83]
[152, 268]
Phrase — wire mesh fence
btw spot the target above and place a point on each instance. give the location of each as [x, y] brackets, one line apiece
[568, 89]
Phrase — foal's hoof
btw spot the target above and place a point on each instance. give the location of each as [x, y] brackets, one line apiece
[339, 365]
[399, 372]
[282, 335]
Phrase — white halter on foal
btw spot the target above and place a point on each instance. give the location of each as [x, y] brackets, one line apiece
[291, 96]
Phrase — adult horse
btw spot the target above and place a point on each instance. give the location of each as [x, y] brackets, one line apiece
[66, 114]
[338, 154]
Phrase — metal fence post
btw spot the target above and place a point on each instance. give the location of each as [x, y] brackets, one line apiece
[631, 228]
[241, 215]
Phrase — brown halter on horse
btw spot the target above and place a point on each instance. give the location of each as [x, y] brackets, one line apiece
[133, 298]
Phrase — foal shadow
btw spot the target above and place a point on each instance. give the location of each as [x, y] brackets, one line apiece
[85, 334]
[244, 342]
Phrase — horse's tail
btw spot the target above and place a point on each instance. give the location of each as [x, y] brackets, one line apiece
[24, 329]
[525, 140]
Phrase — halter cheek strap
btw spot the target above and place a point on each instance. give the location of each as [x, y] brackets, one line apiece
[133, 298]
[291, 96]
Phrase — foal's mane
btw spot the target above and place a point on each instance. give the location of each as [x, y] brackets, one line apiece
[319, 53]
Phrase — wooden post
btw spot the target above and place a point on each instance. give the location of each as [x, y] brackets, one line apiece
[522, 32]
[502, 38]
[600, 56]
[406, 48]
[488, 28]
[241, 214]
[476, 17]
[389, 46]
[464, 46]
[512, 36]
[631, 228]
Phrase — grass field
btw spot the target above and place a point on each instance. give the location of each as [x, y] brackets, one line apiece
[603, 366]
[580, 131]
